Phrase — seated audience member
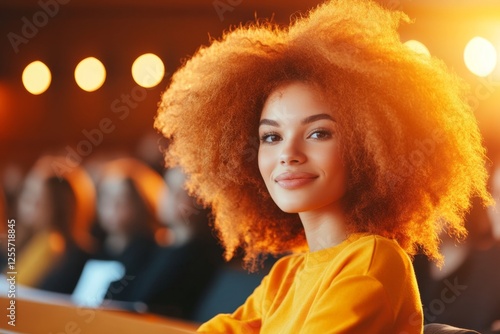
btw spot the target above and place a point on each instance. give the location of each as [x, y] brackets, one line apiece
[185, 258]
[128, 193]
[11, 179]
[465, 292]
[57, 211]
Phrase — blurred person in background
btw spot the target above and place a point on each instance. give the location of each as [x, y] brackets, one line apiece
[465, 291]
[12, 176]
[149, 150]
[127, 206]
[186, 256]
[55, 213]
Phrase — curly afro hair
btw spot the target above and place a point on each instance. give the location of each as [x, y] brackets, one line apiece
[410, 140]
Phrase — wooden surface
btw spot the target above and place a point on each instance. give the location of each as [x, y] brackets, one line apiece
[32, 317]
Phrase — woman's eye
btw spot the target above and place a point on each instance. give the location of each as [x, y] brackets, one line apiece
[321, 134]
[270, 138]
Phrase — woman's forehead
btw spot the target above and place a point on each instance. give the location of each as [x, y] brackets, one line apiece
[294, 99]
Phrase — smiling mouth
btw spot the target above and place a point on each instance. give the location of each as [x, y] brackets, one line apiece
[294, 180]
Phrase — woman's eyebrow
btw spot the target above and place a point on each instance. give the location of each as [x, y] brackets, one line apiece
[317, 117]
[266, 121]
[307, 120]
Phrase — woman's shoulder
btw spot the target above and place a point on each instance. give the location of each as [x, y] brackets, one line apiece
[375, 254]
[374, 244]
[286, 266]
[365, 253]
[371, 245]
[290, 260]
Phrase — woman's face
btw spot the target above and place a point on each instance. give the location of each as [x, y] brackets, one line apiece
[177, 206]
[299, 155]
[34, 205]
[116, 208]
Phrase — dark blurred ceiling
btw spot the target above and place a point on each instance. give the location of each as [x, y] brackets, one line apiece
[117, 31]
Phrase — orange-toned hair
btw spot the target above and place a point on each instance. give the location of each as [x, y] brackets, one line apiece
[410, 141]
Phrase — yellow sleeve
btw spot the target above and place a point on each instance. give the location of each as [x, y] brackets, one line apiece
[245, 320]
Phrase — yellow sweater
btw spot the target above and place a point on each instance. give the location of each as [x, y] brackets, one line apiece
[364, 285]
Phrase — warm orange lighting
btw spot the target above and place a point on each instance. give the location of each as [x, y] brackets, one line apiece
[480, 56]
[148, 70]
[90, 74]
[417, 46]
[36, 77]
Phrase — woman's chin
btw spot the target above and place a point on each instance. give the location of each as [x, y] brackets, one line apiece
[293, 207]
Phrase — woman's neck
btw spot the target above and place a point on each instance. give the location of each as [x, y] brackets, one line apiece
[324, 228]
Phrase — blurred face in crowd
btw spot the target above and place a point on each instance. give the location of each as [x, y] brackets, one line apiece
[178, 211]
[178, 206]
[117, 207]
[34, 205]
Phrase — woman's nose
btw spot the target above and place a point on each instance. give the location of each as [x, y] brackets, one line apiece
[292, 153]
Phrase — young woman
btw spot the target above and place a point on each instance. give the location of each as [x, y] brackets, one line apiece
[331, 139]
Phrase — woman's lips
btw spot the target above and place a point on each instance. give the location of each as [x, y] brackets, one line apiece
[294, 180]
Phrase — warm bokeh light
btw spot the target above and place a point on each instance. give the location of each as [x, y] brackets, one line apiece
[36, 77]
[90, 74]
[148, 70]
[418, 47]
[480, 56]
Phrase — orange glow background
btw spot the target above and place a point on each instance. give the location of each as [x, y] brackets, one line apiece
[117, 32]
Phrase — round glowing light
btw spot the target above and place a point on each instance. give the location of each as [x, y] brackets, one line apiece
[480, 56]
[36, 77]
[90, 74]
[418, 47]
[148, 70]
